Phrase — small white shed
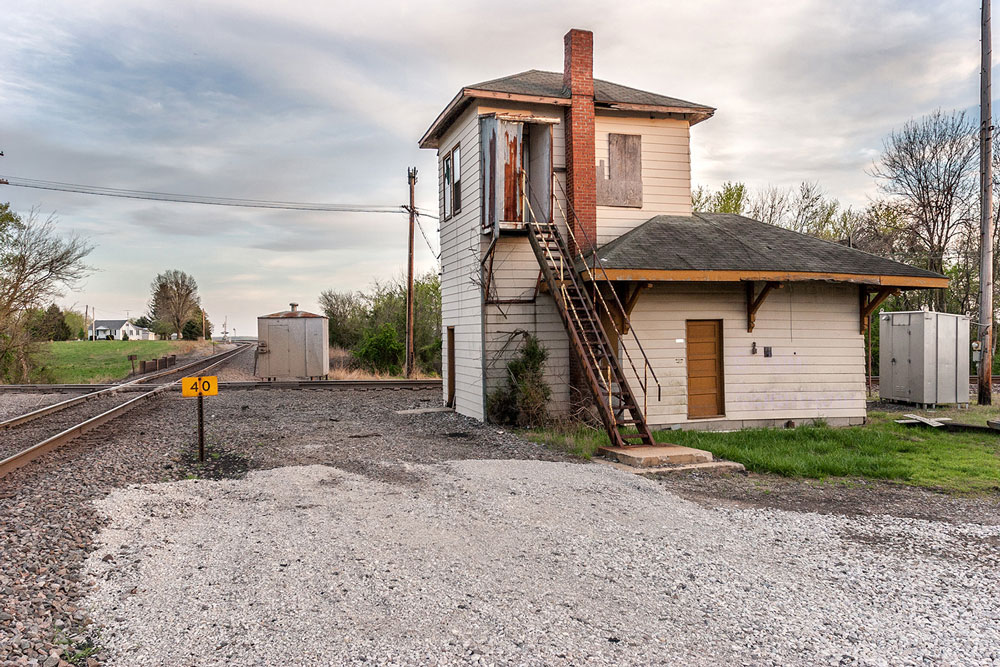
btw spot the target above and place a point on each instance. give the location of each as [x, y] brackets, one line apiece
[293, 344]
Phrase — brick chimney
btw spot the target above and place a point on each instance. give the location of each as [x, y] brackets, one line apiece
[581, 174]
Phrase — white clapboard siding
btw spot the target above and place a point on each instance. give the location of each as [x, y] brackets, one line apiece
[817, 370]
[461, 297]
[666, 171]
[515, 275]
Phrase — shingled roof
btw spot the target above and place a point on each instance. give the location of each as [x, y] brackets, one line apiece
[547, 87]
[723, 246]
[550, 84]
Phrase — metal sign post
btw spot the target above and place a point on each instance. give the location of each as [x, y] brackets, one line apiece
[206, 385]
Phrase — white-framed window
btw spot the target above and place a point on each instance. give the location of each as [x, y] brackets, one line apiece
[451, 167]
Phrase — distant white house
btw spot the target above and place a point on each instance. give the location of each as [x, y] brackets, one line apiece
[118, 329]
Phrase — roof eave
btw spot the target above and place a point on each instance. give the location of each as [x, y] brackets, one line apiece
[694, 115]
[665, 275]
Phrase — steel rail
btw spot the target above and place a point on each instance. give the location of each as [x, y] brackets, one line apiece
[76, 400]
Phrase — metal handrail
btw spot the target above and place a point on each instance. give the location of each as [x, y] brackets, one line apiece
[600, 297]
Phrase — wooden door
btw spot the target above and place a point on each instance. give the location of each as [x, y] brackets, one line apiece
[451, 367]
[705, 378]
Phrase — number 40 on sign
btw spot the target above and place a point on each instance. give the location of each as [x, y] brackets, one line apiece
[207, 385]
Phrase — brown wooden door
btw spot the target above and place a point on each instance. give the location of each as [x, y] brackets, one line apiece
[706, 387]
[451, 367]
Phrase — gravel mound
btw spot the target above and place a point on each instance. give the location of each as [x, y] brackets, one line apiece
[524, 562]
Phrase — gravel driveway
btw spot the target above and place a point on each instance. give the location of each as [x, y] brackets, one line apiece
[525, 562]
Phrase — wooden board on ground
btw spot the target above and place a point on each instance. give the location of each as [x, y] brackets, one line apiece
[924, 420]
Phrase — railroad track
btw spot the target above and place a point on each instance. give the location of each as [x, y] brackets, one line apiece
[15, 432]
[92, 389]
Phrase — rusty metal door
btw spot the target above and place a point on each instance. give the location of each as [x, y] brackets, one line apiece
[501, 160]
[488, 168]
[705, 376]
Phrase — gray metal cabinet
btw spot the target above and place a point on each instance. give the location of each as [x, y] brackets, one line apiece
[924, 357]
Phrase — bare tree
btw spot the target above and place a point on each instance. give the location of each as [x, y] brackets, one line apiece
[174, 301]
[770, 205]
[929, 166]
[35, 266]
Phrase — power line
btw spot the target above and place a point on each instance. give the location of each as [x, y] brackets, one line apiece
[197, 199]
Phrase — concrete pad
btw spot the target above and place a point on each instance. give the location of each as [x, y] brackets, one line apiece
[710, 468]
[423, 411]
[645, 456]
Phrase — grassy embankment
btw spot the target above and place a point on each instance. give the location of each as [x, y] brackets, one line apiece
[95, 362]
[932, 458]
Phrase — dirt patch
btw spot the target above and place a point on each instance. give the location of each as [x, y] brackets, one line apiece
[852, 497]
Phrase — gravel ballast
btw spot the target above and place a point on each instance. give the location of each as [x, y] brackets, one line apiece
[525, 562]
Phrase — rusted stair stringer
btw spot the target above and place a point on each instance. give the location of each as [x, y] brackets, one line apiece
[580, 319]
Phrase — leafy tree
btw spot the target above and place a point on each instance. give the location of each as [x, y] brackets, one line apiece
[348, 314]
[174, 301]
[192, 328]
[381, 350]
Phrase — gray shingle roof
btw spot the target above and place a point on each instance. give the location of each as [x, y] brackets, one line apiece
[727, 242]
[550, 84]
[109, 324]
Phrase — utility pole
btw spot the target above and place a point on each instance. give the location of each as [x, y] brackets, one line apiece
[204, 334]
[411, 177]
[986, 217]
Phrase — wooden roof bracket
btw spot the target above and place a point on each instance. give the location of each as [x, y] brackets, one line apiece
[754, 302]
[869, 302]
[628, 301]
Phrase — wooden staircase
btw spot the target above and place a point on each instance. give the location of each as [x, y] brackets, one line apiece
[622, 416]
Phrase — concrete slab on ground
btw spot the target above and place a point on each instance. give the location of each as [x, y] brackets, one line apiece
[709, 468]
[645, 456]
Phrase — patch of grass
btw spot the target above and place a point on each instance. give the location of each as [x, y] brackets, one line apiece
[579, 441]
[98, 361]
[955, 462]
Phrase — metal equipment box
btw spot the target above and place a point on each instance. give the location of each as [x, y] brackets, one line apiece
[924, 357]
[293, 344]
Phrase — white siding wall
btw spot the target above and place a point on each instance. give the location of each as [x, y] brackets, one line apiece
[818, 367]
[666, 171]
[461, 296]
[515, 272]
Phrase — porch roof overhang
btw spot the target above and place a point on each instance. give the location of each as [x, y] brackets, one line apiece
[721, 247]
[661, 275]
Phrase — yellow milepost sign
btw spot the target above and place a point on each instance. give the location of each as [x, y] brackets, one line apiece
[207, 385]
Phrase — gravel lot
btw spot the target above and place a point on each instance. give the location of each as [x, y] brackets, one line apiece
[515, 562]
[419, 537]
[48, 521]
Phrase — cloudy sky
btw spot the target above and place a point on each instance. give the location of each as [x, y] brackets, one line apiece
[324, 102]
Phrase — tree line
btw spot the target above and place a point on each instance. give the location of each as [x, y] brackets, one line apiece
[372, 324]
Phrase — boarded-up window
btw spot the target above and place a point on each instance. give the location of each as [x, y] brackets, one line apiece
[621, 184]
